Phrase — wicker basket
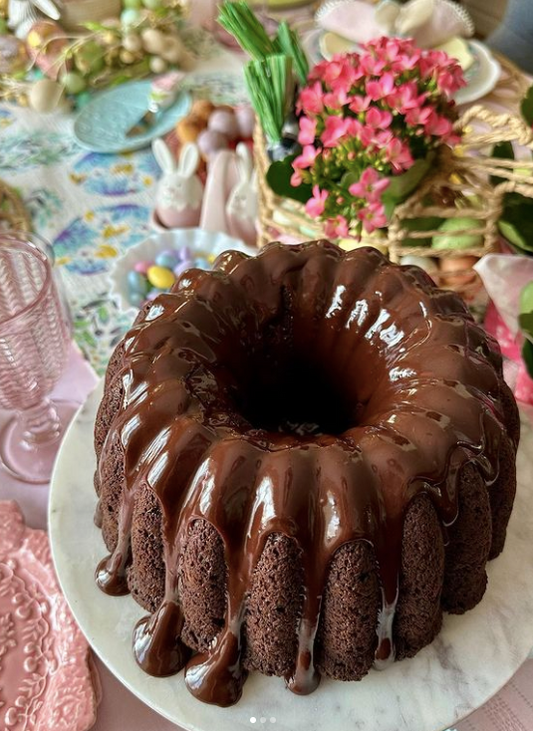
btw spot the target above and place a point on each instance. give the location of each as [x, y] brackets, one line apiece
[462, 172]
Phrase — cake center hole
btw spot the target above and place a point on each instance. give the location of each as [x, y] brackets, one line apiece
[296, 398]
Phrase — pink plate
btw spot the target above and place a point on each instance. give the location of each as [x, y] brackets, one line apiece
[47, 679]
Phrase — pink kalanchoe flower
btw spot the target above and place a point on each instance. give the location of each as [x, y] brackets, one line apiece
[359, 103]
[336, 99]
[334, 129]
[405, 97]
[381, 88]
[438, 126]
[371, 65]
[418, 116]
[315, 205]
[398, 155]
[310, 100]
[307, 133]
[337, 226]
[373, 216]
[370, 185]
[296, 179]
[378, 118]
[307, 158]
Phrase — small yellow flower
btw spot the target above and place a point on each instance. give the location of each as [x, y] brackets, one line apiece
[110, 231]
[148, 180]
[105, 251]
[89, 216]
[126, 169]
[62, 260]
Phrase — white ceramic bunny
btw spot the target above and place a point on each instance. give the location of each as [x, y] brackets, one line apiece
[241, 208]
[180, 191]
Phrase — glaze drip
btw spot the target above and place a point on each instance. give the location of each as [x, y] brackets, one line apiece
[419, 388]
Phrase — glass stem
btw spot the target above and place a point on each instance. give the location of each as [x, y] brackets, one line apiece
[40, 424]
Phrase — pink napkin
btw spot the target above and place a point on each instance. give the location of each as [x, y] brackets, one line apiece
[76, 383]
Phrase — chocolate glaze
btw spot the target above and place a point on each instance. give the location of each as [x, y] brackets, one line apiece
[416, 383]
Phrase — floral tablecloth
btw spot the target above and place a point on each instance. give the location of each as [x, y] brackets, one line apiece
[92, 206]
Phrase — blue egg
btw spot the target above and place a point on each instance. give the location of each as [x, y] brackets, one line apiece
[136, 299]
[167, 259]
[201, 263]
[138, 283]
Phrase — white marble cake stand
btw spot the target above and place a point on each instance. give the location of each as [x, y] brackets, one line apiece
[473, 657]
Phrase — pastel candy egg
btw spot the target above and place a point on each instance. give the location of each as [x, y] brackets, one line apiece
[137, 283]
[160, 277]
[167, 259]
[136, 299]
[185, 254]
[182, 267]
[142, 266]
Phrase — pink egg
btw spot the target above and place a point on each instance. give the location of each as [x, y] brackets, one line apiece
[245, 117]
[210, 142]
[225, 122]
[142, 266]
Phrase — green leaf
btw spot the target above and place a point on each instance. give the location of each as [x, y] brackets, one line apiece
[501, 151]
[527, 355]
[279, 179]
[526, 299]
[516, 223]
[525, 320]
[526, 107]
[401, 186]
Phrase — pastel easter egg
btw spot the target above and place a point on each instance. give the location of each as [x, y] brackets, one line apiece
[136, 299]
[43, 51]
[129, 16]
[138, 283]
[13, 55]
[73, 82]
[201, 263]
[44, 95]
[89, 58]
[245, 117]
[160, 277]
[142, 266]
[457, 271]
[452, 238]
[225, 122]
[167, 259]
[184, 253]
[211, 141]
[182, 267]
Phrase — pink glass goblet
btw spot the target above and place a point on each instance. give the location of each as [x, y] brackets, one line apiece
[34, 344]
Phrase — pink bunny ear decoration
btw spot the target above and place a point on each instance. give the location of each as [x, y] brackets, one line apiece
[180, 191]
[241, 208]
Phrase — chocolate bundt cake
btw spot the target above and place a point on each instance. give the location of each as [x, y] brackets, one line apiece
[304, 457]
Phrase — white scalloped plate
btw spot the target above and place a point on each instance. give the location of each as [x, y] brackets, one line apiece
[471, 659]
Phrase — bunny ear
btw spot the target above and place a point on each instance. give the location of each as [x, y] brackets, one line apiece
[48, 8]
[244, 159]
[165, 159]
[189, 160]
[386, 13]
[413, 15]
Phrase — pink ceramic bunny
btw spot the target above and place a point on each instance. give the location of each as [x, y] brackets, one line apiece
[180, 191]
[241, 208]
